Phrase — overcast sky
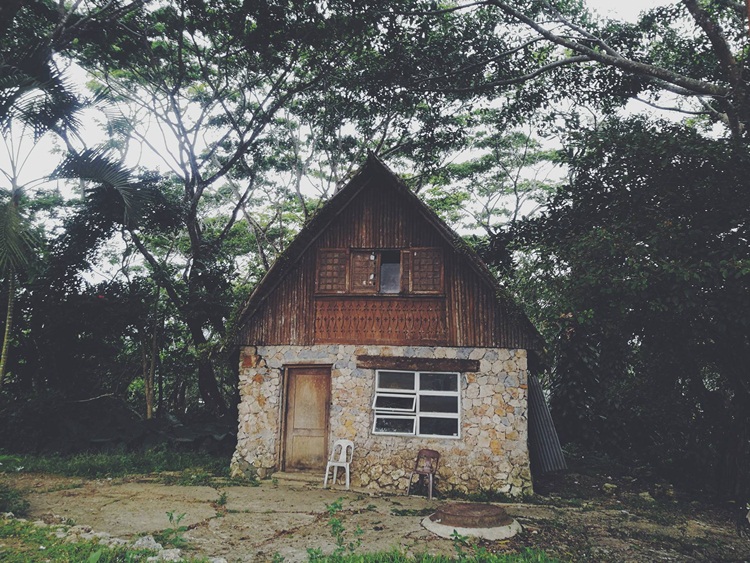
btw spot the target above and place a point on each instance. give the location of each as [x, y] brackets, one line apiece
[624, 9]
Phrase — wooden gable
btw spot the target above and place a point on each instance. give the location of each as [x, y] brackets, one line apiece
[330, 285]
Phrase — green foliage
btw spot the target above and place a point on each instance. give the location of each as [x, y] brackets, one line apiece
[639, 278]
[412, 512]
[479, 555]
[193, 468]
[12, 500]
[173, 535]
[25, 543]
[192, 476]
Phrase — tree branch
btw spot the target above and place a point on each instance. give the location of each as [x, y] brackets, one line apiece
[636, 67]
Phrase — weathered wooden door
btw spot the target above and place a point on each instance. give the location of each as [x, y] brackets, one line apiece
[306, 418]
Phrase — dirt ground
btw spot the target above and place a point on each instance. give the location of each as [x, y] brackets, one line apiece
[245, 523]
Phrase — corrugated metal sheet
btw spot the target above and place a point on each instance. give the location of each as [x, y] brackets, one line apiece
[544, 445]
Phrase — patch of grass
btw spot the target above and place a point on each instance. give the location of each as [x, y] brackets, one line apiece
[12, 500]
[22, 542]
[98, 465]
[192, 476]
[488, 495]
[478, 556]
[412, 512]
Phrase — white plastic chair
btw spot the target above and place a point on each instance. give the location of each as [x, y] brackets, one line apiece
[341, 456]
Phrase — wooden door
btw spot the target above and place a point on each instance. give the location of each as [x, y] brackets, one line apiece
[306, 418]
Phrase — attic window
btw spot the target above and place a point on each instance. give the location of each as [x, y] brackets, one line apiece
[390, 271]
[386, 272]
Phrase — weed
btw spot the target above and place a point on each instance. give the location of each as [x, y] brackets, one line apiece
[12, 500]
[277, 558]
[338, 530]
[174, 534]
[371, 507]
[222, 500]
[459, 543]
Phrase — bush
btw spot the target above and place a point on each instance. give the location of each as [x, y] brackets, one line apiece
[12, 500]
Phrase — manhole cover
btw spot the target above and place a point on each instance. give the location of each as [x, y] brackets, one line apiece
[471, 515]
[485, 521]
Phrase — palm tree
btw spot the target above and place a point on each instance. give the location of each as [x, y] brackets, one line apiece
[18, 244]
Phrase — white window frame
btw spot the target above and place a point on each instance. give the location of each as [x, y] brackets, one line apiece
[412, 396]
[416, 413]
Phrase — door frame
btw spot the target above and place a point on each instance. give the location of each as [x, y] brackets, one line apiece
[286, 379]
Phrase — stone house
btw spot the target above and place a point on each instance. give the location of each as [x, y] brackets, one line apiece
[379, 325]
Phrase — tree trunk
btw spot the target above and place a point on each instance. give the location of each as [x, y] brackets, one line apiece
[148, 390]
[149, 376]
[207, 384]
[8, 325]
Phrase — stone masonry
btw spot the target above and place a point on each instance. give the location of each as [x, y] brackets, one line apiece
[491, 453]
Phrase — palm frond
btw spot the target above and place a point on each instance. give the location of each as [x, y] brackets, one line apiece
[33, 91]
[18, 240]
[114, 189]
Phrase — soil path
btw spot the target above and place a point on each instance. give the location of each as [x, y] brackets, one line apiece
[255, 523]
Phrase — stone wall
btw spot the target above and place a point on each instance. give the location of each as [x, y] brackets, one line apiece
[490, 455]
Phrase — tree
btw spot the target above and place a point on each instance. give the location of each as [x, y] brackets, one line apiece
[243, 94]
[18, 242]
[639, 274]
[542, 52]
[505, 176]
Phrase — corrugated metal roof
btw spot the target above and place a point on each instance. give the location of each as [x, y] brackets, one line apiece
[544, 445]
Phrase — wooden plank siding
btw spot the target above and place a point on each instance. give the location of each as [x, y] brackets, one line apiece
[382, 216]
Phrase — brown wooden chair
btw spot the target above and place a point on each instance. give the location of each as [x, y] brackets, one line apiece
[425, 466]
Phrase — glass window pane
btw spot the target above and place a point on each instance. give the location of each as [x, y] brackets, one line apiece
[390, 277]
[438, 381]
[394, 402]
[438, 403]
[438, 426]
[399, 425]
[396, 380]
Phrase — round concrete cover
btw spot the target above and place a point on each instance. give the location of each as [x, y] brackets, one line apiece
[485, 521]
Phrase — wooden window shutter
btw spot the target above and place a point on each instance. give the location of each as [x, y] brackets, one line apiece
[332, 270]
[364, 271]
[405, 270]
[426, 270]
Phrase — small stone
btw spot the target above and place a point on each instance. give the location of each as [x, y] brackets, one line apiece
[217, 560]
[147, 542]
[170, 555]
[113, 542]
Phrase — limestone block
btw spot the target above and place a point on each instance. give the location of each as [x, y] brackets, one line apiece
[476, 354]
